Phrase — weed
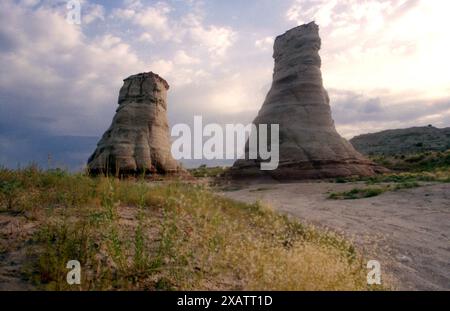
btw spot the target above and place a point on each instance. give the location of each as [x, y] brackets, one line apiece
[204, 171]
[356, 193]
[359, 193]
[9, 192]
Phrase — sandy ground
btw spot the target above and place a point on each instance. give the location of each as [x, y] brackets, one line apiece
[15, 230]
[408, 231]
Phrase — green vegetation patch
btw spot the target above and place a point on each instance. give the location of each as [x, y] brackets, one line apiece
[360, 193]
[204, 171]
[423, 167]
[356, 193]
[421, 162]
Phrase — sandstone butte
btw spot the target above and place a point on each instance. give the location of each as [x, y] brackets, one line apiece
[310, 147]
[138, 140]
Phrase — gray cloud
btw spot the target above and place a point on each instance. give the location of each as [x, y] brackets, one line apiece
[356, 113]
[350, 107]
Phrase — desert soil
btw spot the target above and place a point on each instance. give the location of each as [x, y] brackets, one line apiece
[407, 231]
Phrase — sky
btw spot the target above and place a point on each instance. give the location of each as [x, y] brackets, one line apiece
[385, 64]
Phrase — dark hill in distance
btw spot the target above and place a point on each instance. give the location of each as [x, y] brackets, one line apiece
[403, 141]
[66, 152]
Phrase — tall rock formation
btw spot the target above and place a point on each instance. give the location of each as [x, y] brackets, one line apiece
[310, 146]
[138, 139]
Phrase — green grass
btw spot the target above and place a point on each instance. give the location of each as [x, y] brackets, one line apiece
[204, 171]
[421, 162]
[423, 167]
[357, 193]
[132, 235]
[360, 193]
[401, 177]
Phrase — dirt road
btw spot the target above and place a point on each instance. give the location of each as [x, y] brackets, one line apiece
[408, 231]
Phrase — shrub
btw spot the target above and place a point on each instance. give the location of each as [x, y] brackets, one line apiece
[10, 191]
[356, 193]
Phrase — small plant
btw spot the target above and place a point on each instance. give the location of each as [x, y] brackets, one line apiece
[341, 180]
[406, 185]
[204, 171]
[62, 242]
[9, 192]
[359, 193]
[356, 193]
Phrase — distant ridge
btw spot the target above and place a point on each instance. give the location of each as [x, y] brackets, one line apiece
[403, 141]
[46, 151]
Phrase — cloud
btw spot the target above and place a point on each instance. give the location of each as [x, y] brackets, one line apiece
[56, 79]
[146, 37]
[182, 58]
[370, 14]
[264, 44]
[356, 113]
[51, 69]
[162, 67]
[367, 46]
[29, 3]
[93, 12]
[152, 19]
[215, 39]
[190, 29]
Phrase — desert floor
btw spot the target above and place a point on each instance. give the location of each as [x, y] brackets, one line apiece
[407, 231]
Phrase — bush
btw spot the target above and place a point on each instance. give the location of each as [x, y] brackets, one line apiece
[204, 171]
[10, 191]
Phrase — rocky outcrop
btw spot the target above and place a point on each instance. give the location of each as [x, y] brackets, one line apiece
[403, 141]
[138, 139]
[310, 146]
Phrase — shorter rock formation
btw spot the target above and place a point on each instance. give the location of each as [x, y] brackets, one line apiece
[138, 139]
